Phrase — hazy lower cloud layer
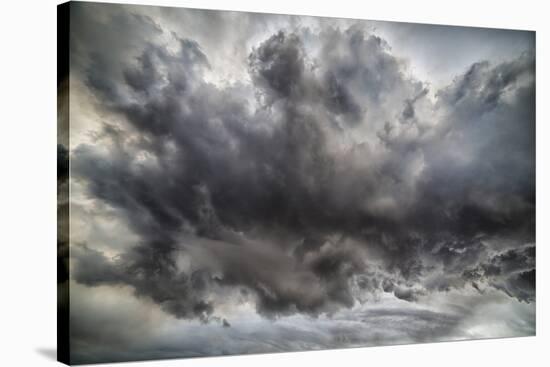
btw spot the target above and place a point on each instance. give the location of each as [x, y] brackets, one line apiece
[245, 183]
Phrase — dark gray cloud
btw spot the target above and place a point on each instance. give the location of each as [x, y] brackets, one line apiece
[512, 271]
[328, 177]
[226, 174]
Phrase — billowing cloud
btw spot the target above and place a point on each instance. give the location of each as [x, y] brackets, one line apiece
[328, 178]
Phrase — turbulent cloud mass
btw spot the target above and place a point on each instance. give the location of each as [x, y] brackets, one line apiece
[278, 183]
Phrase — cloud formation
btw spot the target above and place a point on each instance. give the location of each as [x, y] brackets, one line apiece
[328, 178]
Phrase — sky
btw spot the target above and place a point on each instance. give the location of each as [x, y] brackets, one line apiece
[250, 183]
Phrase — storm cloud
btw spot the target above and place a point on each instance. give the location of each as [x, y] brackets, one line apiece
[328, 177]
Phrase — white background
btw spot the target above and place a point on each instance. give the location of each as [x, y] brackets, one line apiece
[28, 179]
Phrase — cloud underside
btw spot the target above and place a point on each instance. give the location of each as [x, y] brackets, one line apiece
[329, 178]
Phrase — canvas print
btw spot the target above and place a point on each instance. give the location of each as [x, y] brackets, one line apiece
[235, 183]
